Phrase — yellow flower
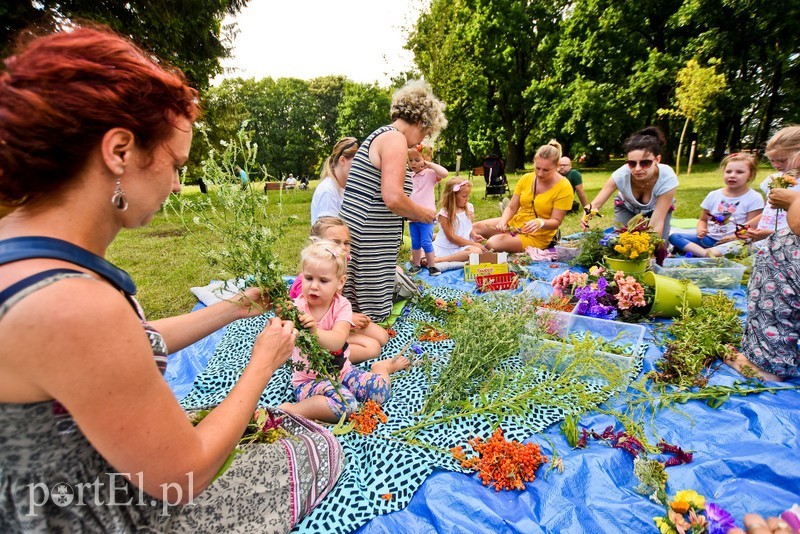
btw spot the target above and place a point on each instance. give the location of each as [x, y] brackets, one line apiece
[679, 506]
[663, 526]
[695, 500]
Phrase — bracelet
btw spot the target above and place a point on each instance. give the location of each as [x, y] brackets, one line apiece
[541, 224]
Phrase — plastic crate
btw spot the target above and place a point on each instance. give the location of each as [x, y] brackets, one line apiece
[497, 282]
[538, 289]
[557, 354]
[714, 273]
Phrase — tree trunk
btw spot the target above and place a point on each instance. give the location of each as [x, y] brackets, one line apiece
[723, 129]
[680, 149]
[769, 114]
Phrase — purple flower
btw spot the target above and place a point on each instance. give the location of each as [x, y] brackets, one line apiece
[417, 349]
[719, 520]
[604, 241]
[689, 255]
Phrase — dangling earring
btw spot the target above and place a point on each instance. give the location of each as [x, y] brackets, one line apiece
[118, 198]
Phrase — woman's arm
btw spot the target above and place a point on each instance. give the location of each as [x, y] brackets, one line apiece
[508, 213]
[389, 153]
[182, 330]
[99, 364]
[663, 204]
[605, 193]
[782, 199]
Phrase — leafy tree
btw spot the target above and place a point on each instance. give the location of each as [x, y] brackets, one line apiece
[696, 90]
[187, 33]
[489, 61]
[363, 108]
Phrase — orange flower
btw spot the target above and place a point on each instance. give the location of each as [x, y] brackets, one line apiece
[386, 496]
[367, 418]
[502, 464]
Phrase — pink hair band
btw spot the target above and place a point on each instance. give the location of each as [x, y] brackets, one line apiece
[457, 187]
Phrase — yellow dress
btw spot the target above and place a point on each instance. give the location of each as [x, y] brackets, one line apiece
[559, 197]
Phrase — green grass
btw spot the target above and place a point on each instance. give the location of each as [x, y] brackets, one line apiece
[166, 260]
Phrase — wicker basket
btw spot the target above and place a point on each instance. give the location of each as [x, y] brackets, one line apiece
[497, 282]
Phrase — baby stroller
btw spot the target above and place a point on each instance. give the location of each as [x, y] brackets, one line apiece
[494, 172]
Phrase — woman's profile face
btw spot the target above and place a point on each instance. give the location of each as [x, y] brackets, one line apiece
[414, 135]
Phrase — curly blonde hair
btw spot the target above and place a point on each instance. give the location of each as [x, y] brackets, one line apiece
[324, 250]
[415, 103]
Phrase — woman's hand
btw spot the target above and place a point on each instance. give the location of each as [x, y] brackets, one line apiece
[252, 301]
[533, 226]
[756, 524]
[501, 226]
[781, 199]
[360, 320]
[275, 342]
[588, 213]
[308, 322]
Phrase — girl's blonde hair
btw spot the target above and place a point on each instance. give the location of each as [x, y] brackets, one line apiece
[747, 159]
[786, 140]
[448, 200]
[324, 223]
[324, 250]
[415, 103]
[551, 151]
[347, 147]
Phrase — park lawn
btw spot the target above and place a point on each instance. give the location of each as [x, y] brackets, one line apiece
[165, 259]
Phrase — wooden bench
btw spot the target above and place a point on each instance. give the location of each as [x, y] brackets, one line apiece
[273, 186]
[477, 171]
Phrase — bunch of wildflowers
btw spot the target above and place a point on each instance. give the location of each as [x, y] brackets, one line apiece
[689, 512]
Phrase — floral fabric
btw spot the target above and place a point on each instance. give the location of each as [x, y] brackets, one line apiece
[357, 385]
[773, 306]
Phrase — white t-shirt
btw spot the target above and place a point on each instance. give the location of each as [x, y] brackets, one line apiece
[718, 204]
[770, 214]
[462, 226]
[667, 181]
[327, 199]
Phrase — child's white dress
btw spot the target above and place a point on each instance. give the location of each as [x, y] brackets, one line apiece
[463, 228]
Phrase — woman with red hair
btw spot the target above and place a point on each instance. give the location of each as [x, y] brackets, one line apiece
[93, 132]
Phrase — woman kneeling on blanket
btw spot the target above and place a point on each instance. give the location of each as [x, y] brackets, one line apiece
[771, 341]
[329, 315]
[93, 132]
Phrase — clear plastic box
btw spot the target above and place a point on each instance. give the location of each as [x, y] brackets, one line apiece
[714, 273]
[538, 289]
[557, 354]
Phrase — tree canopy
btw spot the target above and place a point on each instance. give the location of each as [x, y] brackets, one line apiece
[187, 33]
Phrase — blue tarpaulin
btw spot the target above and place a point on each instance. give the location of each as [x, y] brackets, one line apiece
[745, 460]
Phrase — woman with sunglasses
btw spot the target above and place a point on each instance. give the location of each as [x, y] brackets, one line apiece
[643, 185]
[328, 197]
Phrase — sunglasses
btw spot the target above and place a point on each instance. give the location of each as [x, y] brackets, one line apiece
[643, 163]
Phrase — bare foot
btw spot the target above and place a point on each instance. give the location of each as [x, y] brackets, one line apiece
[749, 370]
[392, 365]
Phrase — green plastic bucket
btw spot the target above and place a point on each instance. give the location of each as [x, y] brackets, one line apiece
[627, 266]
[670, 294]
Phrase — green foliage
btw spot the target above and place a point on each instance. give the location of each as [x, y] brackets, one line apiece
[591, 252]
[362, 109]
[186, 33]
[249, 233]
[698, 339]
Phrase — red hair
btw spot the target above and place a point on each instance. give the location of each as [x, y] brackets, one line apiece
[61, 93]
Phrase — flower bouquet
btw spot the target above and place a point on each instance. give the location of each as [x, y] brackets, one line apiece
[598, 295]
[784, 180]
[689, 512]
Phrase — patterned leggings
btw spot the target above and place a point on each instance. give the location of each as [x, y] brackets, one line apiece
[357, 385]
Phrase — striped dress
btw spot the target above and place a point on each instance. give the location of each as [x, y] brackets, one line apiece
[375, 236]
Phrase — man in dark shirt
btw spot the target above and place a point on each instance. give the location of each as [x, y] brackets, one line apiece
[565, 169]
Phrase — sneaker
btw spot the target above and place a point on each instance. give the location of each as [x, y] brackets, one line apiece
[414, 269]
[434, 271]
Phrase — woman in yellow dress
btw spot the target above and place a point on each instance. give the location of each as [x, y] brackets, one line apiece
[541, 200]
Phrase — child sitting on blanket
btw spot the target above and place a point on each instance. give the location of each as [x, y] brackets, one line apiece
[329, 315]
[367, 338]
[456, 238]
[724, 209]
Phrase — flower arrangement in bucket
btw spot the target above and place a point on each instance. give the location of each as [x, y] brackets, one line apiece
[625, 297]
[630, 248]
